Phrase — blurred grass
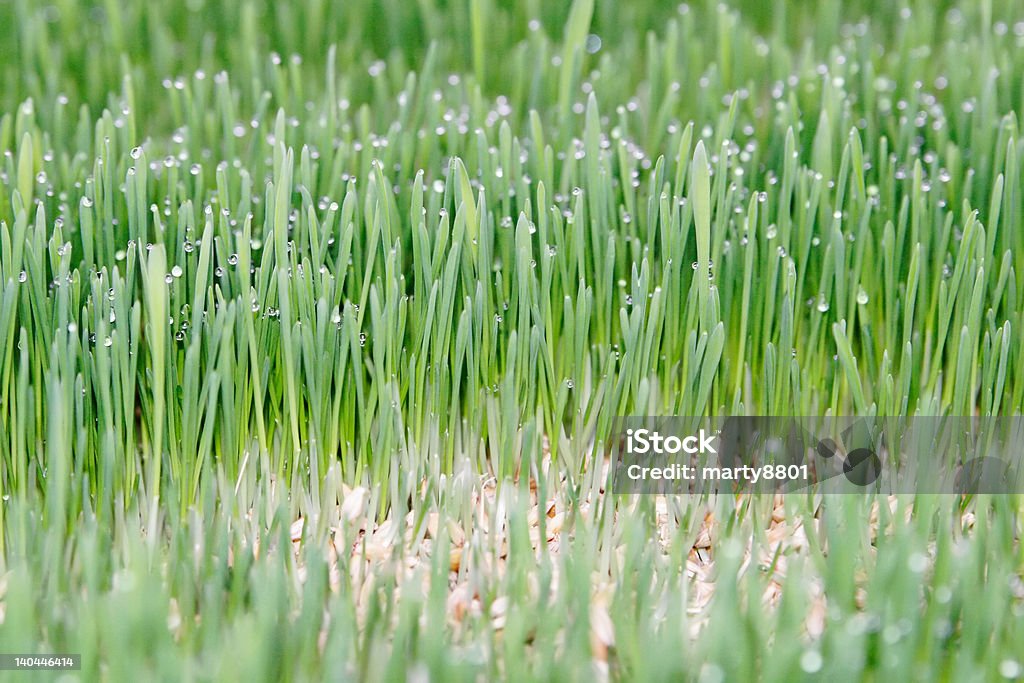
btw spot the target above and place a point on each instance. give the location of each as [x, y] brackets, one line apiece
[415, 257]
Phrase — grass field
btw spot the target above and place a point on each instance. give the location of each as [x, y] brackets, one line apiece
[315, 318]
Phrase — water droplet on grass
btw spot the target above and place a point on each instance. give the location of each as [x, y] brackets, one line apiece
[1008, 668]
[811, 661]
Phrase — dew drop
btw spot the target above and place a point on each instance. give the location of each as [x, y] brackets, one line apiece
[811, 661]
[1008, 668]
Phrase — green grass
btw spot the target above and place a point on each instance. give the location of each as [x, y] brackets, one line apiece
[393, 268]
